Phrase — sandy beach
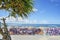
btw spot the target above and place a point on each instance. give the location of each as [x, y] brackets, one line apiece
[34, 37]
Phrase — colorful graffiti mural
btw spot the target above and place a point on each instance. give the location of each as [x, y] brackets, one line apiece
[25, 31]
[34, 31]
[53, 31]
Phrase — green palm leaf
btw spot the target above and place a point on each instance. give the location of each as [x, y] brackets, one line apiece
[19, 7]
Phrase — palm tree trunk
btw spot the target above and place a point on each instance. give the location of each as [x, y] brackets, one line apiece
[6, 35]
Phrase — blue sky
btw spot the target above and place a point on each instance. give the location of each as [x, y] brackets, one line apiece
[48, 11]
[45, 12]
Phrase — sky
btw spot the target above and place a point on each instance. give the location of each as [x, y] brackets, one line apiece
[44, 12]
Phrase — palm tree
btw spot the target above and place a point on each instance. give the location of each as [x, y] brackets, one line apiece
[16, 8]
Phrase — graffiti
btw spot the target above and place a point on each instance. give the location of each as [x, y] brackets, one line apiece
[53, 31]
[25, 31]
[34, 31]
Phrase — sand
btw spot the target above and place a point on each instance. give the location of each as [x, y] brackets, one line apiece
[34, 37]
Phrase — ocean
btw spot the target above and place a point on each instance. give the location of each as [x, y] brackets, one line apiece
[34, 25]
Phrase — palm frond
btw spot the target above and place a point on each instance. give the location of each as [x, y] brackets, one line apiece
[19, 7]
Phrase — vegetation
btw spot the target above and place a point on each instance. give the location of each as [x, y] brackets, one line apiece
[16, 7]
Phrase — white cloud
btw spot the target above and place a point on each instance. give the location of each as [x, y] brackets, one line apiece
[25, 21]
[44, 22]
[20, 20]
[10, 19]
[35, 9]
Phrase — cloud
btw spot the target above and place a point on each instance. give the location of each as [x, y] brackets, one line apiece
[25, 21]
[35, 9]
[20, 20]
[44, 22]
[10, 19]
